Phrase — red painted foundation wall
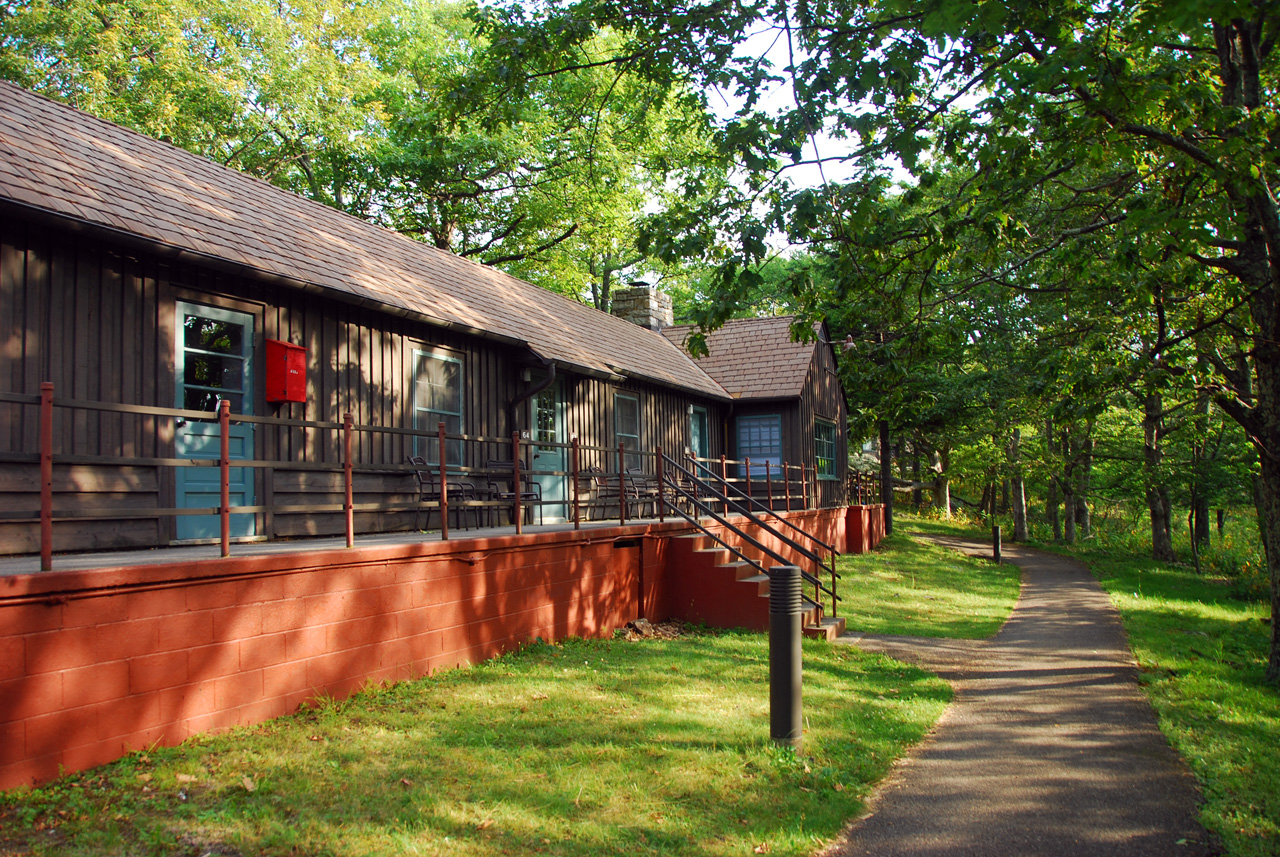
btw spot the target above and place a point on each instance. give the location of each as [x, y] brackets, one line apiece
[99, 663]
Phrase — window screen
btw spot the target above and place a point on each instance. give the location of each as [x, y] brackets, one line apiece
[437, 397]
[626, 425]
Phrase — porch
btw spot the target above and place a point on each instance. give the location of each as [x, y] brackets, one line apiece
[215, 476]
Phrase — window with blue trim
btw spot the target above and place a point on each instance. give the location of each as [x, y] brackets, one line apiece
[760, 438]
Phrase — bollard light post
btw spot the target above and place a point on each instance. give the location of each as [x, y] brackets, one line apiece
[785, 716]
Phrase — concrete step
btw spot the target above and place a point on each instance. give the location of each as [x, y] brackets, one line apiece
[828, 628]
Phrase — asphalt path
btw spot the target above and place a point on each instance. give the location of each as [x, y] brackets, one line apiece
[1049, 748]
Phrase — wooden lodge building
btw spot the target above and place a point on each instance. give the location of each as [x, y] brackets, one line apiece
[141, 287]
[137, 275]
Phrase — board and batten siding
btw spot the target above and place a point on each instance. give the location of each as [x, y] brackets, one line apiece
[100, 323]
[822, 397]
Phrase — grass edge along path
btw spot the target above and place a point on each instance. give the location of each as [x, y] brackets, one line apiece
[914, 588]
[1202, 657]
[586, 747]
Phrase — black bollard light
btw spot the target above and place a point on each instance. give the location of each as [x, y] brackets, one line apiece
[995, 543]
[785, 719]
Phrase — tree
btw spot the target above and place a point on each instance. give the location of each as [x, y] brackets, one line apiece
[1158, 117]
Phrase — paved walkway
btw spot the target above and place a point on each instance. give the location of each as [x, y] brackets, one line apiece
[1049, 748]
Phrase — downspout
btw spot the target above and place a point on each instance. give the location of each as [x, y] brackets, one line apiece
[514, 407]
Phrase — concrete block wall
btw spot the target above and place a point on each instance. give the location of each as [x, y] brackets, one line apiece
[96, 664]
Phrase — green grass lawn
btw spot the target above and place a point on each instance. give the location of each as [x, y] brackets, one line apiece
[908, 587]
[1202, 653]
[582, 748]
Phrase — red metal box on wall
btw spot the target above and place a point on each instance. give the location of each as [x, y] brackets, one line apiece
[286, 372]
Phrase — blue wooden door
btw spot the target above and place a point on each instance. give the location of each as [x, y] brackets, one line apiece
[214, 361]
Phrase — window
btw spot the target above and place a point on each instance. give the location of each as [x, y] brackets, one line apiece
[626, 425]
[824, 449]
[546, 409]
[760, 438]
[437, 398]
[699, 438]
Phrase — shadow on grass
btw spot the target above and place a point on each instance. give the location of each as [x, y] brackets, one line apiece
[584, 748]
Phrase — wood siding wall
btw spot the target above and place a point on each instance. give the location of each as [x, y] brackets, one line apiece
[100, 324]
[821, 398]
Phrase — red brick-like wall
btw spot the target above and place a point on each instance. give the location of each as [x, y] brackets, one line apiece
[95, 664]
[864, 528]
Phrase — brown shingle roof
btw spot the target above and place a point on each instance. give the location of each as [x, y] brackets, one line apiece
[64, 161]
[754, 358]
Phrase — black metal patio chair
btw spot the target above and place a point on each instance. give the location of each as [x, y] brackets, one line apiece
[429, 491]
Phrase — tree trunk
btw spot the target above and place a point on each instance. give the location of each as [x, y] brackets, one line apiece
[1018, 489]
[1051, 509]
[1084, 473]
[1199, 497]
[1158, 503]
[1200, 525]
[917, 495]
[1051, 498]
[1269, 514]
[940, 461]
[886, 476]
[1068, 506]
[1240, 55]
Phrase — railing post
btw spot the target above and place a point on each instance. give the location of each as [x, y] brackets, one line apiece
[577, 508]
[622, 485]
[786, 483]
[724, 477]
[444, 485]
[515, 482]
[804, 483]
[46, 476]
[995, 543]
[747, 473]
[662, 491]
[768, 482]
[224, 468]
[348, 489]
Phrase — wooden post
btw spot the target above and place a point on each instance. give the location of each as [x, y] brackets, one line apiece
[444, 485]
[768, 482]
[747, 473]
[724, 478]
[46, 476]
[348, 498]
[786, 483]
[515, 482]
[224, 468]
[622, 485]
[662, 490]
[577, 508]
[804, 483]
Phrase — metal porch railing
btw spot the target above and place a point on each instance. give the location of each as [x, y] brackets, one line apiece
[704, 496]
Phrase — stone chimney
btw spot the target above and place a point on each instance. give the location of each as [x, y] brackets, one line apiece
[643, 304]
